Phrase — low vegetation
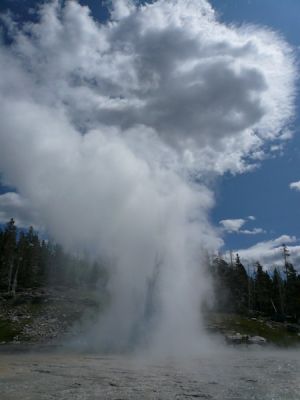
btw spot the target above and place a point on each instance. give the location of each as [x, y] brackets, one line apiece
[276, 333]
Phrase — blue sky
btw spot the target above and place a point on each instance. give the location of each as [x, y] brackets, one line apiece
[263, 193]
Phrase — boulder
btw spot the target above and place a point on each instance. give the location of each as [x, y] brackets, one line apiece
[257, 340]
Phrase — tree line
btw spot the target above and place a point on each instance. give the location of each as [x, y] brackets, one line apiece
[275, 293]
[27, 261]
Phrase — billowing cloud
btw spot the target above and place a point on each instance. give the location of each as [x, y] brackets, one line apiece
[207, 89]
[104, 126]
[295, 186]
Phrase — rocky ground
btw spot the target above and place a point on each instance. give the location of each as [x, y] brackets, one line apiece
[45, 315]
[39, 316]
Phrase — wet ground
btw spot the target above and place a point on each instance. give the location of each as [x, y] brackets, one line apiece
[231, 374]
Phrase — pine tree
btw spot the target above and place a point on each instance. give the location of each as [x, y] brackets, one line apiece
[277, 293]
[291, 290]
[263, 290]
[240, 285]
[8, 254]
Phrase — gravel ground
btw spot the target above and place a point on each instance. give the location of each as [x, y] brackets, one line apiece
[229, 374]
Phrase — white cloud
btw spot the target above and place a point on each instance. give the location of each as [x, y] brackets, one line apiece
[232, 225]
[121, 9]
[295, 185]
[235, 225]
[254, 231]
[269, 253]
[101, 124]
[202, 86]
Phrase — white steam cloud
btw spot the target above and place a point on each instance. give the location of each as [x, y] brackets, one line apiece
[12, 204]
[104, 128]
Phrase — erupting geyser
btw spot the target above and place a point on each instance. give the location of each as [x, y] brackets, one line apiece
[111, 130]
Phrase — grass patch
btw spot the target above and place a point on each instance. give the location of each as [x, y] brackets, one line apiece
[8, 330]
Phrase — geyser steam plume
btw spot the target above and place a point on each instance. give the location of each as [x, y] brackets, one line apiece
[110, 130]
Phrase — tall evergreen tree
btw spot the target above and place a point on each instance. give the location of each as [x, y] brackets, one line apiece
[8, 254]
[277, 293]
[263, 289]
[292, 288]
[240, 285]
